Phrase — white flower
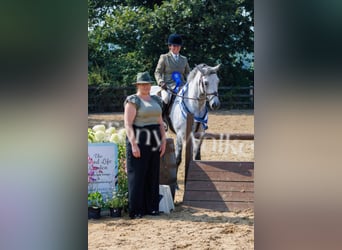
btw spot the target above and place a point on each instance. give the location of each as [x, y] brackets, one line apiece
[110, 130]
[99, 127]
[115, 138]
[99, 136]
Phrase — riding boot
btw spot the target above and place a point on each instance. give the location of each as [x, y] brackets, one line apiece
[164, 109]
[164, 115]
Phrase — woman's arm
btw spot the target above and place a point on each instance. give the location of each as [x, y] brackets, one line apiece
[163, 136]
[129, 116]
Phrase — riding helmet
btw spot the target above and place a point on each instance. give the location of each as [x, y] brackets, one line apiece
[175, 39]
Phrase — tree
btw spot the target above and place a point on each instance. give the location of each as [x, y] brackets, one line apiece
[128, 37]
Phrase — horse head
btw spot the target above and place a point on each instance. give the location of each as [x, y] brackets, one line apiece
[209, 84]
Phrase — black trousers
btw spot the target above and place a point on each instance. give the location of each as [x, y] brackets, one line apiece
[143, 172]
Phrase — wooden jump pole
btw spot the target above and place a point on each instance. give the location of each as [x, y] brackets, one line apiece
[233, 136]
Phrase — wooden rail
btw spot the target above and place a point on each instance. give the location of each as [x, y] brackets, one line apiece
[233, 136]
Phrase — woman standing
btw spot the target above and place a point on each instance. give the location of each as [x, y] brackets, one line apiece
[145, 144]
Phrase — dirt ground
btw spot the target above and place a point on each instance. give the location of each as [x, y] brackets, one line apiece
[185, 227]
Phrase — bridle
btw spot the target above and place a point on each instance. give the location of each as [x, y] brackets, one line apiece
[201, 84]
[211, 95]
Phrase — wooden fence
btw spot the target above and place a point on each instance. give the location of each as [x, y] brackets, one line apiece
[110, 99]
[217, 185]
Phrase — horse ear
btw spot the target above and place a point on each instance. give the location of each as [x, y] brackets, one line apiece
[216, 68]
[213, 70]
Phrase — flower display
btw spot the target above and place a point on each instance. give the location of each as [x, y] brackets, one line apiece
[101, 134]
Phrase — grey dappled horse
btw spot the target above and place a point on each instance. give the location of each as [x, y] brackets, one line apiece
[202, 86]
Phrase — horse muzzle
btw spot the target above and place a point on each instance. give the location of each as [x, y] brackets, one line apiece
[214, 103]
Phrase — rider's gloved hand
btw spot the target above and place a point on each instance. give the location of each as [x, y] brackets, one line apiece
[163, 85]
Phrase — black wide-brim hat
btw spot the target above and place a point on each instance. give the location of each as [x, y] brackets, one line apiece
[143, 78]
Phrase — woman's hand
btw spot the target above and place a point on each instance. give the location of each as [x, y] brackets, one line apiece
[136, 151]
[163, 85]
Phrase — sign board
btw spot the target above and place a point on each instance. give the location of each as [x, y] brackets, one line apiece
[102, 168]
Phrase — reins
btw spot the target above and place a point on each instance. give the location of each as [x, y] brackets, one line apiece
[184, 97]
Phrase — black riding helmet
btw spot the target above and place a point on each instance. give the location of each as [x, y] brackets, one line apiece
[175, 40]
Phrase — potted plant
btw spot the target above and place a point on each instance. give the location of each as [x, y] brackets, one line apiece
[119, 200]
[116, 204]
[95, 203]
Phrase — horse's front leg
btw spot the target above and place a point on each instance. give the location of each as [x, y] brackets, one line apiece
[197, 148]
[197, 143]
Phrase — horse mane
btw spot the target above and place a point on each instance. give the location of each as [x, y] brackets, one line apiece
[194, 71]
